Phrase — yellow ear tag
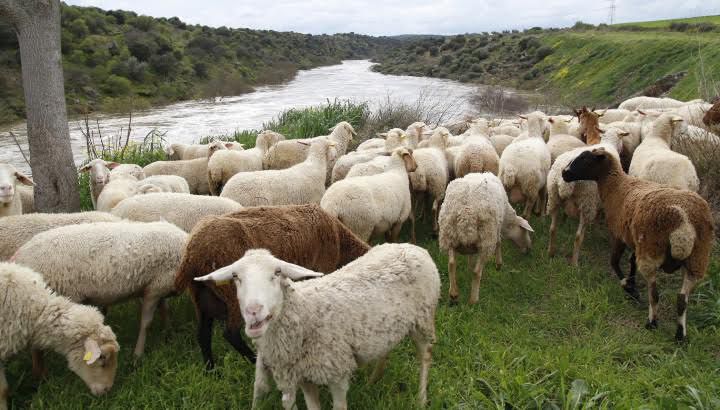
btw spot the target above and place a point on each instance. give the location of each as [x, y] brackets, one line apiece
[87, 356]
[222, 282]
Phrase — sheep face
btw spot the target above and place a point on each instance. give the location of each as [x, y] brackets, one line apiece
[99, 171]
[95, 362]
[9, 177]
[588, 166]
[216, 146]
[518, 231]
[261, 281]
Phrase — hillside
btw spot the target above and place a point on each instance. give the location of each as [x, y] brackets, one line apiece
[117, 60]
[586, 64]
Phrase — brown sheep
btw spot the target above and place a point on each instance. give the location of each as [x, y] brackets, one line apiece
[303, 234]
[712, 117]
[589, 125]
[666, 228]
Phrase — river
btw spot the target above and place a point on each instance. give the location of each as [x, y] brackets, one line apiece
[188, 121]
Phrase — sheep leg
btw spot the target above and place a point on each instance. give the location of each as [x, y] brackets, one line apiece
[395, 232]
[4, 388]
[682, 303]
[413, 238]
[475, 290]
[452, 267]
[235, 339]
[379, 370]
[529, 202]
[288, 398]
[498, 255]
[424, 349]
[164, 311]
[618, 248]
[39, 371]
[653, 299]
[435, 210]
[630, 282]
[149, 304]
[204, 338]
[553, 232]
[338, 391]
[261, 385]
[312, 396]
[579, 236]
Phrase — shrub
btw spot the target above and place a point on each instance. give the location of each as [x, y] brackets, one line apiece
[679, 26]
[481, 54]
[115, 85]
[543, 52]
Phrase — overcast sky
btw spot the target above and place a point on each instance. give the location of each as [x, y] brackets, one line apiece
[390, 17]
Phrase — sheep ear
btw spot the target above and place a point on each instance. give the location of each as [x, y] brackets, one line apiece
[85, 168]
[623, 134]
[296, 272]
[112, 165]
[641, 112]
[22, 178]
[551, 120]
[92, 351]
[522, 117]
[382, 134]
[220, 276]
[523, 223]
[410, 164]
[599, 130]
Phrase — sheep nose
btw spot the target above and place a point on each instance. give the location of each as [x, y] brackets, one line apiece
[253, 309]
[6, 189]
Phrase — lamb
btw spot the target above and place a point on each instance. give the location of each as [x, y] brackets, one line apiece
[579, 199]
[194, 171]
[377, 204]
[285, 154]
[223, 165]
[121, 186]
[163, 183]
[99, 176]
[474, 218]
[560, 141]
[310, 237]
[10, 201]
[665, 227]
[178, 151]
[655, 161]
[319, 331]
[524, 166]
[18, 229]
[182, 210]
[432, 172]
[643, 102]
[104, 263]
[33, 315]
[303, 183]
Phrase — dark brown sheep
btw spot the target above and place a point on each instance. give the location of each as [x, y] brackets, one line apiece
[304, 235]
[667, 228]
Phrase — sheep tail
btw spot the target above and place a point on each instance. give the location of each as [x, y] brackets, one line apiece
[508, 176]
[184, 277]
[682, 239]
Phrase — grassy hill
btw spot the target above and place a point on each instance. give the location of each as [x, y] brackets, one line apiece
[117, 60]
[665, 24]
[586, 64]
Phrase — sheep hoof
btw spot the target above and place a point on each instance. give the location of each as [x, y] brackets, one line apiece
[453, 300]
[680, 337]
[632, 293]
[651, 324]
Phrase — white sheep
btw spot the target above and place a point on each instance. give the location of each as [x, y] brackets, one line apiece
[179, 151]
[612, 115]
[348, 161]
[182, 210]
[474, 218]
[649, 103]
[415, 132]
[99, 171]
[194, 171]
[104, 263]
[579, 199]
[655, 161]
[511, 130]
[693, 114]
[163, 183]
[121, 186]
[500, 142]
[377, 204]
[32, 315]
[18, 229]
[129, 169]
[303, 183]
[560, 140]
[10, 198]
[27, 198]
[224, 164]
[285, 154]
[377, 165]
[432, 172]
[524, 166]
[476, 154]
[319, 331]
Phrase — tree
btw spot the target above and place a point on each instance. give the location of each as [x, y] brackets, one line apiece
[37, 25]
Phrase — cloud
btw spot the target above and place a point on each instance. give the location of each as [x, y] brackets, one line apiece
[391, 17]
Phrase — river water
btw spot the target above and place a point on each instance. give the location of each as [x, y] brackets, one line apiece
[188, 121]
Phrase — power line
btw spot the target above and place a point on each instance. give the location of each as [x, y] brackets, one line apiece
[611, 10]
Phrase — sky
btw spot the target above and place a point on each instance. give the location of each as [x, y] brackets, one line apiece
[392, 17]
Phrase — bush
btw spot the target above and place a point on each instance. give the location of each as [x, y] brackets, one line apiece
[679, 26]
[481, 54]
[543, 52]
[115, 85]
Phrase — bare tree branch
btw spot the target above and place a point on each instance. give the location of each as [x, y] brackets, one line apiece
[27, 161]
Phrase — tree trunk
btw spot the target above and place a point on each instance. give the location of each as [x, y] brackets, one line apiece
[37, 23]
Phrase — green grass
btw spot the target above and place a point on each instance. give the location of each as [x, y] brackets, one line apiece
[544, 335]
[666, 23]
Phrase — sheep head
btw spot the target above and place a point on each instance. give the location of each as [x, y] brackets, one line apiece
[99, 171]
[216, 146]
[9, 177]
[518, 230]
[589, 166]
[261, 281]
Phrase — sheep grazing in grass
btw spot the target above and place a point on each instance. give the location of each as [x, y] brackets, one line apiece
[665, 227]
[99, 176]
[655, 161]
[182, 210]
[18, 229]
[590, 132]
[524, 166]
[579, 199]
[560, 140]
[303, 183]
[10, 200]
[318, 332]
[432, 172]
[163, 183]
[223, 165]
[377, 204]
[179, 151]
[104, 263]
[310, 237]
[32, 315]
[194, 171]
[285, 154]
[474, 218]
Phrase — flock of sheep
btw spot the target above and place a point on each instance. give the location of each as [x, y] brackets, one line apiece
[289, 210]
